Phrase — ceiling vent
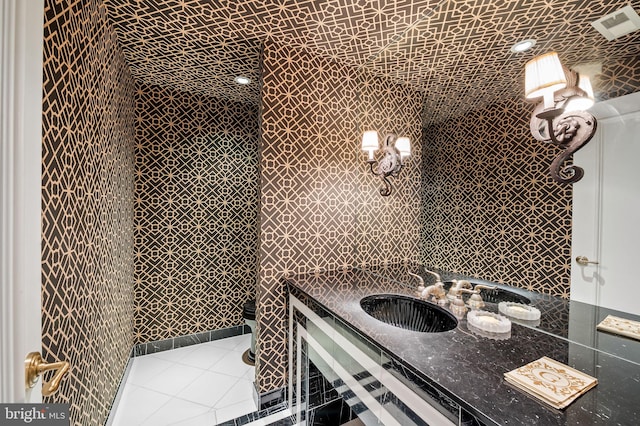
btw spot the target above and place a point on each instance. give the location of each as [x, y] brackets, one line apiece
[618, 23]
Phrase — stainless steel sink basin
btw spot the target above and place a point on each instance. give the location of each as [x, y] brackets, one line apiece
[495, 296]
[409, 313]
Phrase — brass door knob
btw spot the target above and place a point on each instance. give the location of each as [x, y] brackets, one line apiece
[34, 366]
[584, 260]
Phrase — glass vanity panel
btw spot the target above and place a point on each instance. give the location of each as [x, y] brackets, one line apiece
[374, 385]
[394, 370]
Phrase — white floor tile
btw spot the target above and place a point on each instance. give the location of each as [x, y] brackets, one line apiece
[137, 404]
[175, 355]
[204, 357]
[235, 410]
[173, 379]
[145, 368]
[271, 418]
[198, 385]
[236, 343]
[206, 419]
[250, 374]
[208, 388]
[177, 410]
[240, 392]
[231, 364]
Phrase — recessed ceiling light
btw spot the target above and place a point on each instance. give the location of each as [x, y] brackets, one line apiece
[523, 46]
[242, 80]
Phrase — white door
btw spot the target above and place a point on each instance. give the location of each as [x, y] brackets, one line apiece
[21, 38]
[606, 209]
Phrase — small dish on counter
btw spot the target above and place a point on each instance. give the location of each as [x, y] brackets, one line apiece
[489, 322]
[519, 311]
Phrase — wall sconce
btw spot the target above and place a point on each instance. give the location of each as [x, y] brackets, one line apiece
[561, 117]
[393, 160]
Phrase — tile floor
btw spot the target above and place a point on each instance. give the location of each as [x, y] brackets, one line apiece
[198, 385]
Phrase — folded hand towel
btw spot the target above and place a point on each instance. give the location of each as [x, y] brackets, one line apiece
[621, 326]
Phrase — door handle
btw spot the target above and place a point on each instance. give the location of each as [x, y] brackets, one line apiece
[34, 366]
[584, 260]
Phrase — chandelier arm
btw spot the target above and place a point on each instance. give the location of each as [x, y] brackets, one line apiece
[552, 133]
[371, 163]
[546, 116]
[387, 188]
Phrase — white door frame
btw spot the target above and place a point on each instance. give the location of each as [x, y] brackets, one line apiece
[21, 53]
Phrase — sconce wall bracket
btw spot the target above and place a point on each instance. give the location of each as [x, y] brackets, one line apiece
[389, 166]
[569, 131]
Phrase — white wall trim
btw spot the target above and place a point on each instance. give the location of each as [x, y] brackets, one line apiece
[21, 41]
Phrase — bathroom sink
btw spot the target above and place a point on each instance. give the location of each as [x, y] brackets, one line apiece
[495, 296]
[409, 313]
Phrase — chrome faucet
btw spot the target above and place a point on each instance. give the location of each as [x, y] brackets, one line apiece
[435, 274]
[435, 291]
[458, 308]
[475, 301]
[420, 280]
[456, 289]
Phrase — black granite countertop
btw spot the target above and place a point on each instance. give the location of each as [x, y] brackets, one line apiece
[469, 367]
[572, 320]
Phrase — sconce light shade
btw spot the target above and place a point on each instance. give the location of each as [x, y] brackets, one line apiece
[543, 75]
[582, 103]
[403, 145]
[370, 142]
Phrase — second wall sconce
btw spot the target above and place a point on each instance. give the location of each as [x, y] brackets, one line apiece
[561, 117]
[396, 150]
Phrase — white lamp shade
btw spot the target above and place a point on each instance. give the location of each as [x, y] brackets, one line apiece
[584, 82]
[370, 141]
[403, 145]
[543, 75]
[582, 103]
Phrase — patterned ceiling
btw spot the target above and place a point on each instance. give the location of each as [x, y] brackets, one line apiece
[457, 51]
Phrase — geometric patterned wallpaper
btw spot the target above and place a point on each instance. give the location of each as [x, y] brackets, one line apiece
[319, 201]
[456, 52]
[315, 198]
[490, 208]
[459, 54]
[308, 185]
[388, 228]
[618, 78]
[162, 49]
[87, 206]
[200, 46]
[196, 212]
